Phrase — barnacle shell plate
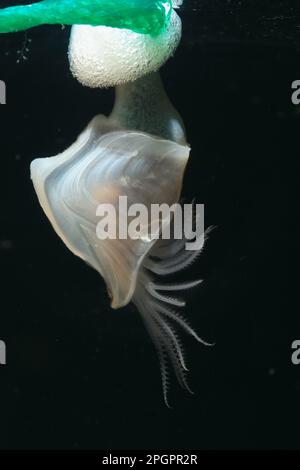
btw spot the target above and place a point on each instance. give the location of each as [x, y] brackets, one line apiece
[104, 163]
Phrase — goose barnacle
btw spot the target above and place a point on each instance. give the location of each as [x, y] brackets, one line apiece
[107, 161]
[139, 151]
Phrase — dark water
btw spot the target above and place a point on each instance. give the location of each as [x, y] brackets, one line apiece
[80, 375]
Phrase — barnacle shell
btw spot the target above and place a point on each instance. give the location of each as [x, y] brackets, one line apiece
[104, 163]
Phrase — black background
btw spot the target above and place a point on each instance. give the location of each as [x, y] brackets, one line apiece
[82, 376]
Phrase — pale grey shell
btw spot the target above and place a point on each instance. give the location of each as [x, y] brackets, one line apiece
[104, 163]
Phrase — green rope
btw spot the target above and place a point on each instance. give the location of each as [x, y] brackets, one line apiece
[141, 16]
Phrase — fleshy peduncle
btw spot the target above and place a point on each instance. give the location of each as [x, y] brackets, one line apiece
[141, 16]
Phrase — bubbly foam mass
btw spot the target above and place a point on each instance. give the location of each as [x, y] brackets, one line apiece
[101, 56]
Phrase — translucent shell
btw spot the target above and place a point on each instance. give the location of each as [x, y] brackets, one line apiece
[103, 164]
